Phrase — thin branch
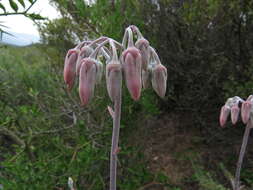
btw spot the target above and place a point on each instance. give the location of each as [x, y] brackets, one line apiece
[12, 136]
[51, 131]
[14, 13]
[30, 6]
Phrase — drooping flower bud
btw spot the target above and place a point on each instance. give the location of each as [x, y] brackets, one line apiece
[235, 110]
[87, 80]
[224, 113]
[159, 79]
[132, 71]
[113, 80]
[84, 52]
[246, 111]
[69, 68]
[143, 45]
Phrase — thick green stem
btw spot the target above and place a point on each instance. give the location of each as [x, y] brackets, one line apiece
[115, 140]
[241, 156]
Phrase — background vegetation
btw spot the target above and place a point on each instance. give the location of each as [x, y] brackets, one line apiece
[174, 143]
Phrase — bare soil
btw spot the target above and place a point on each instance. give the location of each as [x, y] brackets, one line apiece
[173, 143]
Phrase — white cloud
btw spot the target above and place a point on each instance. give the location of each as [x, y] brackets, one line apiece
[21, 24]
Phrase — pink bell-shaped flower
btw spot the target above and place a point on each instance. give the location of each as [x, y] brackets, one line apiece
[235, 110]
[113, 80]
[245, 111]
[143, 45]
[87, 80]
[69, 68]
[132, 71]
[159, 79]
[224, 113]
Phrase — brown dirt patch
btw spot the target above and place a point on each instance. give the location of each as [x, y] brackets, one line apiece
[171, 142]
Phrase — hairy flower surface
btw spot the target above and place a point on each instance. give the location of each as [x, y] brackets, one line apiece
[224, 113]
[87, 80]
[235, 110]
[143, 45]
[69, 68]
[132, 71]
[245, 112]
[113, 80]
[159, 79]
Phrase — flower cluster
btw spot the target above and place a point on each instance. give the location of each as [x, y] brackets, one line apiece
[137, 60]
[233, 106]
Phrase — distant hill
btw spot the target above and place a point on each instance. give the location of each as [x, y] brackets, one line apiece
[19, 39]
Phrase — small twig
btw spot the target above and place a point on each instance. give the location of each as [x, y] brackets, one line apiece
[16, 155]
[12, 136]
[30, 6]
[33, 134]
[53, 131]
[8, 14]
[227, 174]
[76, 151]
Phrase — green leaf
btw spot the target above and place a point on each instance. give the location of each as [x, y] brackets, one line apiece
[22, 3]
[31, 1]
[13, 5]
[2, 7]
[80, 5]
[35, 16]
